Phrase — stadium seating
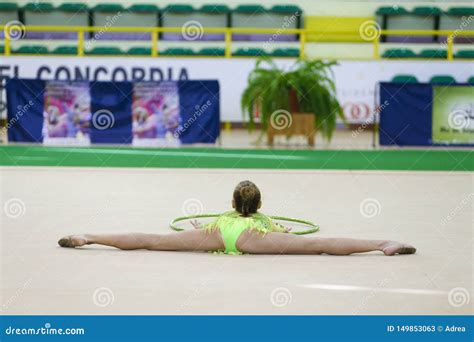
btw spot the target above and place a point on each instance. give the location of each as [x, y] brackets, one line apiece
[250, 52]
[67, 14]
[178, 52]
[405, 79]
[464, 54]
[104, 50]
[398, 18]
[191, 23]
[398, 53]
[8, 13]
[211, 52]
[433, 53]
[277, 17]
[139, 51]
[457, 18]
[442, 79]
[289, 52]
[31, 50]
[65, 50]
[105, 15]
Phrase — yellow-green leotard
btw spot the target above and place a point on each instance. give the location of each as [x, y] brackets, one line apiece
[232, 224]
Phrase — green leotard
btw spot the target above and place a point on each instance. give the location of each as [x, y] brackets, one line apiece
[231, 225]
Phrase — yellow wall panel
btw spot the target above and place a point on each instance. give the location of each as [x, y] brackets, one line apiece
[332, 28]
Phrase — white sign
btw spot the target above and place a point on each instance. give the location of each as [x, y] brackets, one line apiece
[355, 80]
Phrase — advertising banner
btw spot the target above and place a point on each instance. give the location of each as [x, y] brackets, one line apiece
[141, 113]
[356, 81]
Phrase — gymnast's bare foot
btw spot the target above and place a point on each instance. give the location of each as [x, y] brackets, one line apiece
[394, 247]
[73, 241]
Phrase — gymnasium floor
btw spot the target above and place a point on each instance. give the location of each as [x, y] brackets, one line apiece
[429, 209]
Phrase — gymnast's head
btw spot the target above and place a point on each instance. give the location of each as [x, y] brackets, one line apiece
[247, 198]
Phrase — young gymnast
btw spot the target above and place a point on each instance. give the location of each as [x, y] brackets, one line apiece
[242, 230]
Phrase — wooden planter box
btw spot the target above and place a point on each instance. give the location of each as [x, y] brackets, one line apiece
[301, 124]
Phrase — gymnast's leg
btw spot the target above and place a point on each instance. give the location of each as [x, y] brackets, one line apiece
[281, 243]
[192, 240]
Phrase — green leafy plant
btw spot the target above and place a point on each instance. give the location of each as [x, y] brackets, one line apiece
[311, 83]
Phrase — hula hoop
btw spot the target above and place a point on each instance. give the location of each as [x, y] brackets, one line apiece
[314, 227]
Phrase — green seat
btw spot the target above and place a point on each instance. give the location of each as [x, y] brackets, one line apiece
[39, 7]
[72, 7]
[105, 50]
[249, 9]
[288, 52]
[250, 52]
[460, 11]
[426, 11]
[211, 52]
[471, 80]
[433, 53]
[2, 49]
[464, 54]
[108, 8]
[392, 10]
[143, 8]
[398, 53]
[178, 52]
[179, 9]
[139, 51]
[405, 79]
[31, 50]
[65, 50]
[442, 79]
[8, 6]
[215, 9]
[286, 9]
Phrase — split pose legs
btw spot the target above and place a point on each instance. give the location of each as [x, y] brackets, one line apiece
[249, 242]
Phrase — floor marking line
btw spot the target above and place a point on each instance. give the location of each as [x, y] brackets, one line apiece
[331, 287]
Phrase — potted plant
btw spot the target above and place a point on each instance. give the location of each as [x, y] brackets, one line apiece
[307, 87]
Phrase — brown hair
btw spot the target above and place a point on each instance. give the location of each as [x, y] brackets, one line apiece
[246, 198]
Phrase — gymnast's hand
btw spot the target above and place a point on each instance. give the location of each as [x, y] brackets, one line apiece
[196, 224]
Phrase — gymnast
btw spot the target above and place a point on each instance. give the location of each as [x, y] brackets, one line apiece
[243, 230]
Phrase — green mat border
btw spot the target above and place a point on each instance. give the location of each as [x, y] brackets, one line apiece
[414, 160]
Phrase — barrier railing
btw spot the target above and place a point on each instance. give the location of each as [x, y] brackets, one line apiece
[228, 32]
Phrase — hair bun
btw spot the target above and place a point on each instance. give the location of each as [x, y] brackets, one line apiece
[247, 191]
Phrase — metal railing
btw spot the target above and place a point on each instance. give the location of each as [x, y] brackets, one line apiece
[228, 32]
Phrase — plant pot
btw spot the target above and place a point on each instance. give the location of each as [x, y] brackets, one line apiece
[293, 124]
